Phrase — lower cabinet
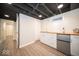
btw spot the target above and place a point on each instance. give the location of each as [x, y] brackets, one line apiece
[67, 44]
[49, 39]
[75, 45]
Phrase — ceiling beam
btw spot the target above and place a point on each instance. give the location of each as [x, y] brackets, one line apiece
[35, 7]
[11, 7]
[38, 10]
[20, 10]
[48, 9]
[25, 9]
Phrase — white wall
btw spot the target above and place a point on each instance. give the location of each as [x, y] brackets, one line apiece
[7, 29]
[29, 30]
[69, 22]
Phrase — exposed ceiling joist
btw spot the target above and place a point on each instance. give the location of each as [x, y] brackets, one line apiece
[19, 9]
[25, 9]
[35, 7]
[38, 10]
[48, 9]
[13, 8]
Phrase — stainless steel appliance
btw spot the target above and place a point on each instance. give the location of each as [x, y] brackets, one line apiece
[63, 43]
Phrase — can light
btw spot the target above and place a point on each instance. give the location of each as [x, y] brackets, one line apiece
[6, 15]
[40, 16]
[9, 3]
[60, 6]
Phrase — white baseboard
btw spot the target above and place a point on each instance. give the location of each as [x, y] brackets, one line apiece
[27, 44]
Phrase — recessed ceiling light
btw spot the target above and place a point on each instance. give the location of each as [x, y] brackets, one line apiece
[39, 15]
[60, 6]
[9, 3]
[6, 15]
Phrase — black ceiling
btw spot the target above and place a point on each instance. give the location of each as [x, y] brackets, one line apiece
[6, 10]
[35, 9]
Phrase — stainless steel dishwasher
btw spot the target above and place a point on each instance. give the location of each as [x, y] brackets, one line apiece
[63, 43]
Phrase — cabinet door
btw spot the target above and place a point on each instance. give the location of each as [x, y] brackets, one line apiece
[75, 45]
[49, 39]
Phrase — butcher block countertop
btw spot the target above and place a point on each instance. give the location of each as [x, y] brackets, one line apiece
[60, 33]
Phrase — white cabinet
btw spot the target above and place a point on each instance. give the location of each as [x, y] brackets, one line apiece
[49, 39]
[75, 45]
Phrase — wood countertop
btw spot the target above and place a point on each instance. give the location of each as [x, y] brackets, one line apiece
[60, 33]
